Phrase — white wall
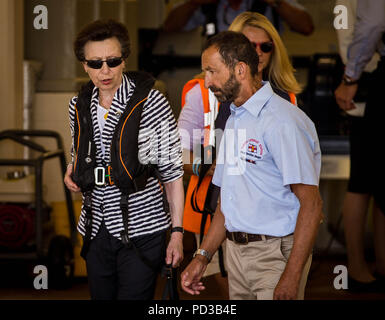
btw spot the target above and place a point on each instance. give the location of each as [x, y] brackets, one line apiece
[324, 37]
[50, 112]
[11, 66]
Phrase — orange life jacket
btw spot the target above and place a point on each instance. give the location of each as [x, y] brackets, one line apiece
[293, 98]
[192, 219]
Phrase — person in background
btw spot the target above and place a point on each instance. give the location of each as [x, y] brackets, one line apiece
[274, 62]
[367, 168]
[220, 14]
[270, 207]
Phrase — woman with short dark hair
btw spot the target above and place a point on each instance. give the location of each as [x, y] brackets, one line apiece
[101, 30]
[125, 154]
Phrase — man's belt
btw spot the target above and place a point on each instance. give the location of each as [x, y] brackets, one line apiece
[245, 238]
[103, 176]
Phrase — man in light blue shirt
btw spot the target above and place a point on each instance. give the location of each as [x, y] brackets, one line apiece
[277, 146]
[268, 169]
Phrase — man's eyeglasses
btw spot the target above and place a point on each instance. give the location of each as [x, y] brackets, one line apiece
[111, 63]
[265, 47]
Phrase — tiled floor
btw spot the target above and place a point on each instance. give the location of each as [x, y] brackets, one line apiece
[319, 287]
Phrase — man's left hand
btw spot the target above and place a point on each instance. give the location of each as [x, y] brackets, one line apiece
[286, 289]
[174, 253]
[344, 96]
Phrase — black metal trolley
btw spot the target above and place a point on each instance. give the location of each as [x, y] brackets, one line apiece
[60, 256]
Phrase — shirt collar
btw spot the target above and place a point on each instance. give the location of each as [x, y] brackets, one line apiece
[257, 101]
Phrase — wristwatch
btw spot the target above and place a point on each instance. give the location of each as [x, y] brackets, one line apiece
[348, 81]
[177, 229]
[204, 253]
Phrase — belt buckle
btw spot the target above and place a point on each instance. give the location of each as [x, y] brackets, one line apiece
[100, 176]
[246, 238]
[240, 236]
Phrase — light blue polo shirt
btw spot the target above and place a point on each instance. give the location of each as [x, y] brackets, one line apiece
[267, 145]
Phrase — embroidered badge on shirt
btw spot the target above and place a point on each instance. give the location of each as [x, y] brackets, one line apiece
[251, 151]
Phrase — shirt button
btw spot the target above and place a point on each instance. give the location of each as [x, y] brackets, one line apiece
[230, 198]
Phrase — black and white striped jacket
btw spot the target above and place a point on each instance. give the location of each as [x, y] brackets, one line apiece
[159, 143]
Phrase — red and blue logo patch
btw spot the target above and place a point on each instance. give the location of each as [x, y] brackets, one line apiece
[252, 150]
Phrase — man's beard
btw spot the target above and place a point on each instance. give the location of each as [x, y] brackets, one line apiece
[230, 90]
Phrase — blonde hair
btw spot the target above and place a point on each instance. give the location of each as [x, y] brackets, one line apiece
[279, 70]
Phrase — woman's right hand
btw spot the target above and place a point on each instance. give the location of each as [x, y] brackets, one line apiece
[68, 180]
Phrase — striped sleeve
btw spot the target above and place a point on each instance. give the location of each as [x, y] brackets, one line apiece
[159, 140]
[72, 124]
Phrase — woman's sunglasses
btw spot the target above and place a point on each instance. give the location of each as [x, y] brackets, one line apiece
[265, 47]
[111, 63]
